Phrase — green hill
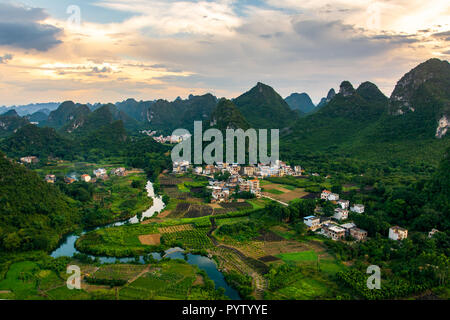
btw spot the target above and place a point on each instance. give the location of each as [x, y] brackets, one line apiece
[40, 142]
[167, 116]
[226, 115]
[67, 112]
[109, 139]
[10, 122]
[33, 214]
[362, 123]
[263, 107]
[301, 102]
[138, 110]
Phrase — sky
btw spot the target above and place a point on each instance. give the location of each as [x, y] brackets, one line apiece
[110, 50]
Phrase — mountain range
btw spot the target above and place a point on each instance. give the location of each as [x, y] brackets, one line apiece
[356, 122]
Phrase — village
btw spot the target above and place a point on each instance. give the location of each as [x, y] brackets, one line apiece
[226, 179]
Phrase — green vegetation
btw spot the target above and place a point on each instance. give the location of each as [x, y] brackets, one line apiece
[226, 115]
[298, 256]
[263, 107]
[34, 215]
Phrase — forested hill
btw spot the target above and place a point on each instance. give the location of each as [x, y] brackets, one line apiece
[301, 102]
[33, 214]
[363, 124]
[40, 142]
[10, 122]
[263, 107]
[226, 115]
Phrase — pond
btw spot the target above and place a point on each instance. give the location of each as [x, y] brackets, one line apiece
[67, 249]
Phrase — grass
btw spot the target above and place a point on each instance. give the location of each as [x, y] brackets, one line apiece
[182, 187]
[258, 203]
[166, 280]
[298, 256]
[21, 280]
[274, 191]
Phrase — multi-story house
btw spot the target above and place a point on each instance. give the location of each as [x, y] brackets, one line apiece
[358, 234]
[398, 233]
[344, 204]
[358, 208]
[324, 195]
[340, 214]
[333, 231]
[312, 222]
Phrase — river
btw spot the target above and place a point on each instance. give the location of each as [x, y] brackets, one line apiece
[67, 248]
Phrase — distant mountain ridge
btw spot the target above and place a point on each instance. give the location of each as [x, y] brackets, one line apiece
[24, 110]
[301, 102]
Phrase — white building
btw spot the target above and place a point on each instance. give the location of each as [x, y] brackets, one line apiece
[344, 204]
[432, 233]
[358, 208]
[198, 170]
[333, 197]
[324, 195]
[100, 172]
[340, 214]
[312, 222]
[85, 178]
[398, 233]
[348, 226]
[180, 167]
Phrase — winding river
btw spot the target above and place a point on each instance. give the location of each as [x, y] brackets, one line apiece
[67, 248]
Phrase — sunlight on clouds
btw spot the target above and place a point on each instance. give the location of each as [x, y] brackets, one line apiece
[173, 48]
[168, 17]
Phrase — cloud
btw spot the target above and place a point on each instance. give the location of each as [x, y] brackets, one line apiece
[6, 58]
[101, 70]
[443, 36]
[164, 49]
[22, 27]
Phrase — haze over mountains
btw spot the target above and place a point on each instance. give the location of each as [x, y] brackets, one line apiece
[416, 114]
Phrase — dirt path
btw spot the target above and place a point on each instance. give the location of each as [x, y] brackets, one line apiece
[147, 269]
[266, 195]
[260, 284]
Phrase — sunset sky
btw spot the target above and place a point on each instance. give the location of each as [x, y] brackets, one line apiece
[163, 49]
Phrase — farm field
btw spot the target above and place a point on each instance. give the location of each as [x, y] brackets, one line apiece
[283, 192]
[166, 280]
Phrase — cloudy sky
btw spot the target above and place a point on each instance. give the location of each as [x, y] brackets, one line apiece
[110, 50]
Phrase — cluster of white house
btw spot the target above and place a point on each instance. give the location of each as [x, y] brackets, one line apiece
[341, 213]
[242, 178]
[99, 173]
[332, 230]
[277, 169]
[222, 190]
